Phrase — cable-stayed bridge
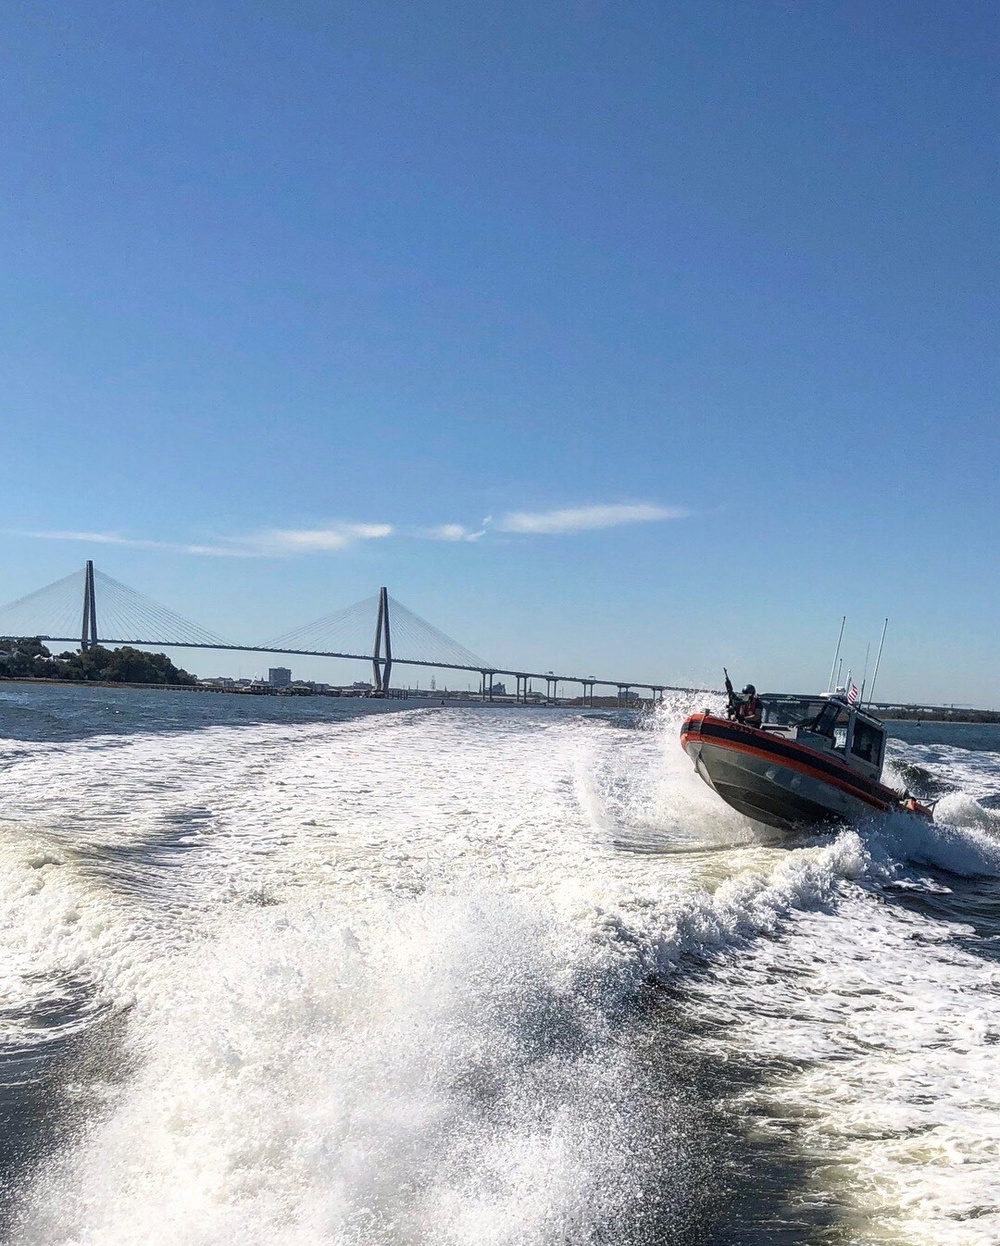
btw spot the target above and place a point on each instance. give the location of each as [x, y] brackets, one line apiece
[90, 607]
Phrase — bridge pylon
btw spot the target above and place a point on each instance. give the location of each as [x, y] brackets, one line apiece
[88, 631]
[382, 651]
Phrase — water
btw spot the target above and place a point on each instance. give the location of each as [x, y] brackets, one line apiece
[309, 971]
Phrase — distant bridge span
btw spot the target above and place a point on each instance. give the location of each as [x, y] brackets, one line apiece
[137, 619]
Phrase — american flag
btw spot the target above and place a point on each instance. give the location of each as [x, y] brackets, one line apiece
[852, 692]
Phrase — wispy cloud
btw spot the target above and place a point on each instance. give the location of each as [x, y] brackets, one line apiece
[332, 537]
[112, 538]
[453, 532]
[271, 543]
[586, 518]
[282, 541]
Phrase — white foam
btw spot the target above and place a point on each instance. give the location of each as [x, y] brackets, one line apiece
[380, 990]
[891, 1031]
[451, 1079]
[958, 846]
[446, 1064]
[976, 772]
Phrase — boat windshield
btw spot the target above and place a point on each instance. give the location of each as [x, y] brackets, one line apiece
[789, 711]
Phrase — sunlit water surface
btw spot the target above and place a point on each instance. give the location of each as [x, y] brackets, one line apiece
[284, 972]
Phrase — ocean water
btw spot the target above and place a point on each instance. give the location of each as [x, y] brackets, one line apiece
[305, 971]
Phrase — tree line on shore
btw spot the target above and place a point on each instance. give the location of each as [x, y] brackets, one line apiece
[940, 715]
[28, 658]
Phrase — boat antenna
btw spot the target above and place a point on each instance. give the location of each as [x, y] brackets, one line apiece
[878, 659]
[833, 669]
[864, 677]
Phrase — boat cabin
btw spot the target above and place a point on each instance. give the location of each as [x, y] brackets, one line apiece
[828, 724]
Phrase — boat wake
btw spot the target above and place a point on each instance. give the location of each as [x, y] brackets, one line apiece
[465, 977]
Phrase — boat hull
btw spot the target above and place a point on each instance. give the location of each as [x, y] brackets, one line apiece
[778, 781]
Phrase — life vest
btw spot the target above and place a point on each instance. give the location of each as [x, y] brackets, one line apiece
[911, 805]
[747, 710]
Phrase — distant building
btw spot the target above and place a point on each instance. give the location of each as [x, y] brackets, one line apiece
[361, 685]
[498, 690]
[279, 676]
[299, 685]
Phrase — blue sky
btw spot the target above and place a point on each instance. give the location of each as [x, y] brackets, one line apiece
[684, 314]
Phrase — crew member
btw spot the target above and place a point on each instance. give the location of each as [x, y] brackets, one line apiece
[748, 711]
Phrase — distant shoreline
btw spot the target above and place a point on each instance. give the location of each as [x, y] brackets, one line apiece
[939, 716]
[417, 699]
[96, 683]
[918, 716]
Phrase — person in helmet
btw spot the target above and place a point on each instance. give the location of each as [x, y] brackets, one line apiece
[748, 711]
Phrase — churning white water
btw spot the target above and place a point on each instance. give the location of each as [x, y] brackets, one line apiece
[483, 976]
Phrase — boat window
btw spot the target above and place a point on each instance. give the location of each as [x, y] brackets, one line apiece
[867, 742]
[831, 721]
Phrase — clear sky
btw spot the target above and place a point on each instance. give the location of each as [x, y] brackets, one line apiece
[634, 338]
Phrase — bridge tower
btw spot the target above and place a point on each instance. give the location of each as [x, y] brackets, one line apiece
[382, 652]
[88, 631]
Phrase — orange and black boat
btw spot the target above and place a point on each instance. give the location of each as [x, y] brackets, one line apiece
[813, 760]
